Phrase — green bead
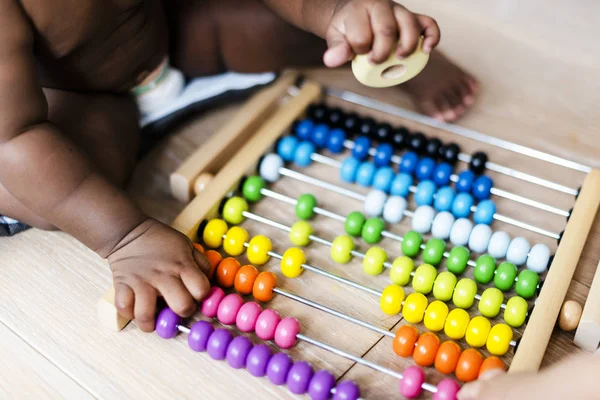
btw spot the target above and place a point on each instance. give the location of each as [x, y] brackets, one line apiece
[411, 243]
[354, 223]
[464, 293]
[233, 210]
[434, 251]
[252, 187]
[443, 288]
[516, 311]
[371, 231]
[300, 232]
[490, 302]
[457, 259]
[505, 276]
[401, 269]
[484, 269]
[373, 261]
[305, 206]
[527, 284]
[423, 279]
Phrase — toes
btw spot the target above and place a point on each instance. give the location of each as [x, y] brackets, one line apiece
[465, 93]
[446, 104]
[471, 83]
[430, 108]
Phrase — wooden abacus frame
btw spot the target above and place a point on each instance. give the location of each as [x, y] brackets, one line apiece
[235, 149]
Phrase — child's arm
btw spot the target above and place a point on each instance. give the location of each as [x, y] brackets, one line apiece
[54, 179]
[360, 26]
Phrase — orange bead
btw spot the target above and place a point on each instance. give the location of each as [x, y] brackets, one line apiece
[404, 342]
[214, 259]
[426, 349]
[489, 364]
[244, 279]
[447, 357]
[226, 271]
[199, 247]
[468, 365]
[263, 286]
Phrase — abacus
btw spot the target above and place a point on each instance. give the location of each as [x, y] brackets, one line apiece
[432, 227]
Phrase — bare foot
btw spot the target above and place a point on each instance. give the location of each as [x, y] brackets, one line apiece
[443, 90]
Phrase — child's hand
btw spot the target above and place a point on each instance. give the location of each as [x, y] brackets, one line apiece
[156, 260]
[376, 27]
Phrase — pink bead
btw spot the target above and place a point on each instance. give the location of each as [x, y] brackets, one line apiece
[285, 334]
[447, 389]
[229, 307]
[210, 304]
[410, 384]
[247, 316]
[266, 324]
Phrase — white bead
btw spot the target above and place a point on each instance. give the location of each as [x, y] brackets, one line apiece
[538, 258]
[422, 219]
[480, 238]
[394, 208]
[269, 167]
[498, 245]
[461, 230]
[442, 225]
[517, 251]
[374, 203]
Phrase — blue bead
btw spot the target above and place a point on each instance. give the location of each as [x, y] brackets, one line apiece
[303, 153]
[319, 135]
[304, 129]
[383, 179]
[286, 148]
[484, 213]
[362, 144]
[461, 206]
[424, 169]
[465, 181]
[383, 155]
[444, 199]
[482, 187]
[441, 174]
[401, 184]
[364, 175]
[335, 141]
[409, 162]
[348, 169]
[424, 194]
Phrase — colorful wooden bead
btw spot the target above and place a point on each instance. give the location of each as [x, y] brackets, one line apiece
[210, 304]
[404, 341]
[505, 276]
[300, 233]
[482, 187]
[465, 181]
[456, 324]
[424, 278]
[478, 162]
[461, 231]
[499, 339]
[349, 169]
[443, 287]
[391, 299]
[480, 238]
[498, 245]
[266, 324]
[234, 241]
[478, 331]
[244, 279]
[252, 187]
[444, 199]
[304, 129]
[424, 169]
[372, 230]
[292, 261]
[303, 153]
[447, 357]
[286, 331]
[484, 269]
[442, 225]
[286, 147]
[237, 352]
[374, 203]
[515, 312]
[278, 368]
[426, 348]
[458, 259]
[570, 315]
[362, 145]
[383, 133]
[469, 362]
[394, 208]
[447, 389]
[341, 248]
[305, 206]
[424, 194]
[408, 162]
[517, 251]
[373, 261]
[320, 385]
[270, 166]
[365, 173]
[202, 182]
[442, 173]
[414, 307]
[411, 243]
[214, 259]
[319, 135]
[464, 293]
[214, 232]
[489, 364]
[247, 316]
[226, 271]
[490, 302]
[167, 323]
[435, 316]
[218, 342]
[422, 219]
[527, 284]
[538, 258]
[383, 179]
[434, 251]
[234, 209]
[199, 334]
[354, 223]
[401, 269]
[229, 308]
[432, 150]
[346, 390]
[449, 153]
[258, 359]
[484, 212]
[263, 287]
[418, 142]
[383, 155]
[410, 384]
[299, 377]
[258, 250]
[401, 185]
[461, 206]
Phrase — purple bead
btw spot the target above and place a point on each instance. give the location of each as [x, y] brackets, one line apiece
[166, 323]
[447, 389]
[199, 334]
[218, 343]
[346, 390]
[278, 368]
[257, 360]
[299, 377]
[238, 350]
[320, 385]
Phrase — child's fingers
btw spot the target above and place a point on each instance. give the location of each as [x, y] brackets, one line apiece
[409, 31]
[358, 32]
[145, 307]
[339, 51]
[176, 295]
[385, 31]
[430, 30]
[124, 299]
[195, 282]
[201, 261]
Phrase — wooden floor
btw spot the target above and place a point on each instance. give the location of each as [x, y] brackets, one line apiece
[540, 88]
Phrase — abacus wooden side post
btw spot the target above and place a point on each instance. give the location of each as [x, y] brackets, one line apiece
[587, 335]
[532, 347]
[229, 138]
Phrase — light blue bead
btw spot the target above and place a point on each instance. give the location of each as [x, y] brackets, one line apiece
[484, 213]
[362, 144]
[384, 155]
[401, 184]
[303, 153]
[444, 199]
[383, 179]
[364, 175]
[482, 187]
[465, 181]
[319, 135]
[408, 163]
[441, 174]
[335, 141]
[348, 169]
[286, 148]
[304, 129]
[424, 194]
[461, 206]
[425, 168]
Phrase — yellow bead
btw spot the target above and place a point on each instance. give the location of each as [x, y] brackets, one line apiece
[373, 261]
[478, 331]
[401, 270]
[499, 339]
[234, 241]
[464, 293]
[435, 316]
[233, 210]
[299, 235]
[423, 279]
[414, 307]
[443, 288]
[516, 311]
[258, 250]
[391, 299]
[341, 248]
[213, 233]
[456, 323]
[291, 263]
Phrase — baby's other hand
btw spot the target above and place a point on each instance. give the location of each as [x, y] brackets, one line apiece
[156, 260]
[376, 27]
